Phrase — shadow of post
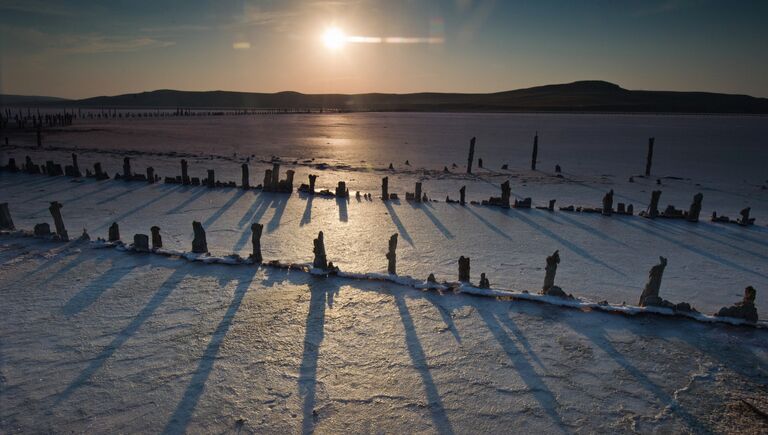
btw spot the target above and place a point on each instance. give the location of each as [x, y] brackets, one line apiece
[396, 220]
[306, 218]
[438, 224]
[180, 418]
[342, 203]
[419, 359]
[321, 291]
[223, 209]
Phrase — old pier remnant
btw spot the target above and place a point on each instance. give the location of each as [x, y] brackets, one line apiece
[535, 154]
[199, 243]
[246, 177]
[653, 208]
[58, 222]
[392, 255]
[464, 269]
[127, 168]
[6, 223]
[608, 203]
[184, 173]
[471, 155]
[210, 181]
[141, 242]
[484, 282]
[695, 210]
[320, 261]
[256, 229]
[114, 232]
[650, 295]
[312, 181]
[385, 188]
[341, 190]
[745, 309]
[551, 270]
[649, 157]
[157, 240]
[462, 195]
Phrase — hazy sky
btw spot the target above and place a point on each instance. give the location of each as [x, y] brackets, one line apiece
[87, 48]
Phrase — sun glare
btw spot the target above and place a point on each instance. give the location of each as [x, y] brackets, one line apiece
[334, 38]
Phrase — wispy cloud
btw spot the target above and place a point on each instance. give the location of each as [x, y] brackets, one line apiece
[55, 44]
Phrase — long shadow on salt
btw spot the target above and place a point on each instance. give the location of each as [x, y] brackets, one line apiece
[137, 209]
[566, 243]
[130, 190]
[680, 229]
[252, 210]
[278, 203]
[91, 292]
[321, 292]
[149, 309]
[259, 207]
[693, 249]
[487, 223]
[180, 418]
[597, 334]
[223, 209]
[439, 225]
[396, 220]
[342, 203]
[527, 373]
[591, 229]
[194, 197]
[419, 359]
[306, 218]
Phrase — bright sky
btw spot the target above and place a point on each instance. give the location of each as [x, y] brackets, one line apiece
[76, 49]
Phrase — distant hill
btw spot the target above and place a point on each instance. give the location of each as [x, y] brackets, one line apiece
[582, 96]
[27, 100]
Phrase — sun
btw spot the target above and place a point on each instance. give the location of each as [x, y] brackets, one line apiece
[334, 38]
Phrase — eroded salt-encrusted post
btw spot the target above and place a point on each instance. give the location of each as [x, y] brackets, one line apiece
[312, 180]
[551, 270]
[471, 155]
[275, 182]
[75, 168]
[127, 168]
[150, 175]
[417, 192]
[484, 282]
[320, 261]
[744, 220]
[58, 222]
[141, 242]
[608, 203]
[695, 209]
[246, 177]
[256, 230]
[211, 180]
[267, 185]
[392, 255]
[535, 154]
[199, 244]
[157, 239]
[114, 232]
[464, 269]
[649, 157]
[184, 173]
[742, 310]
[385, 188]
[6, 223]
[506, 192]
[462, 195]
[289, 174]
[653, 208]
[650, 295]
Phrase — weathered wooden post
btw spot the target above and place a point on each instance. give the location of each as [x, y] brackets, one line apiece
[75, 167]
[6, 223]
[256, 230]
[392, 255]
[462, 193]
[157, 240]
[150, 175]
[464, 269]
[58, 222]
[608, 203]
[267, 184]
[653, 208]
[417, 194]
[320, 261]
[246, 177]
[312, 179]
[141, 242]
[184, 173]
[211, 180]
[127, 168]
[551, 269]
[199, 243]
[535, 154]
[114, 232]
[650, 295]
[506, 192]
[385, 188]
[471, 155]
[695, 209]
[275, 175]
[649, 158]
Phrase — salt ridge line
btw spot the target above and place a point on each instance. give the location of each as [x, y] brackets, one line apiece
[408, 281]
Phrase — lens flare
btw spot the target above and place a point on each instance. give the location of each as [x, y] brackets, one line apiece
[334, 38]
